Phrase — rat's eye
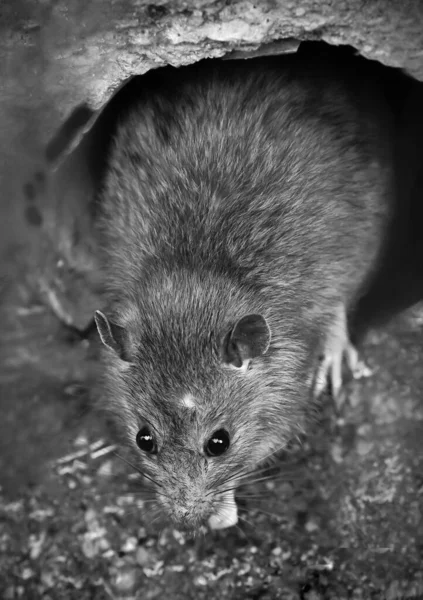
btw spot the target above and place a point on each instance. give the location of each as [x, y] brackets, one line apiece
[145, 441]
[218, 443]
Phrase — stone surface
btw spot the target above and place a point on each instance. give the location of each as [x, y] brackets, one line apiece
[56, 55]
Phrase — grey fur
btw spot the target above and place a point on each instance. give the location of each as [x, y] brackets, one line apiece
[235, 188]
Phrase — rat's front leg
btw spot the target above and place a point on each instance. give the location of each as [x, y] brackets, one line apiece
[337, 347]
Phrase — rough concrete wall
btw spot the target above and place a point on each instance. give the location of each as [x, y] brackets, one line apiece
[56, 54]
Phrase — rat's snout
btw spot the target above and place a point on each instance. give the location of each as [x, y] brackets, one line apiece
[193, 504]
[219, 510]
[190, 514]
[186, 496]
[188, 504]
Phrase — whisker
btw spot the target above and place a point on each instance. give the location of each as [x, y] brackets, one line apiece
[276, 477]
[112, 496]
[149, 498]
[148, 505]
[243, 480]
[221, 479]
[264, 512]
[274, 452]
[155, 520]
[225, 490]
[137, 470]
[242, 475]
[250, 496]
[143, 513]
[226, 503]
[248, 523]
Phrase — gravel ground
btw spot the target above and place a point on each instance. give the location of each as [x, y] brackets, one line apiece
[341, 517]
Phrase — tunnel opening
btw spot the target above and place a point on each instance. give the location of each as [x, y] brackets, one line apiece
[62, 203]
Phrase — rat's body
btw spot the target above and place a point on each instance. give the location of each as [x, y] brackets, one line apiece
[243, 213]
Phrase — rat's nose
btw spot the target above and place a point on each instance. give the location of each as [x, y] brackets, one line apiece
[190, 513]
[186, 519]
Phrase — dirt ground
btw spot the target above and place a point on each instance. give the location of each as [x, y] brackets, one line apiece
[341, 518]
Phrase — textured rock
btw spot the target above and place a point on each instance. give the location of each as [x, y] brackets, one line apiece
[63, 53]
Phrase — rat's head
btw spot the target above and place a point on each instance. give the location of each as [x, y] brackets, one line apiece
[200, 403]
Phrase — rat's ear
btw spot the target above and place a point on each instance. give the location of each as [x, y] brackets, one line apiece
[113, 336]
[249, 338]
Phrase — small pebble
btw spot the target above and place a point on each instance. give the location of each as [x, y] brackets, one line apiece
[35, 544]
[89, 548]
[125, 580]
[41, 514]
[244, 570]
[156, 570]
[27, 573]
[113, 510]
[364, 429]
[130, 545]
[179, 537]
[176, 568]
[13, 506]
[90, 518]
[277, 551]
[106, 469]
[311, 526]
[103, 544]
[96, 536]
[164, 538]
[336, 453]
[143, 557]
[47, 579]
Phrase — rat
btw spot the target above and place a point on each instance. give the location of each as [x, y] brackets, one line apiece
[242, 215]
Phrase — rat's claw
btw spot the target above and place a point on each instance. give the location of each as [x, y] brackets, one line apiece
[337, 347]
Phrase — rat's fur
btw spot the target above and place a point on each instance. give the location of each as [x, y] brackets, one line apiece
[234, 188]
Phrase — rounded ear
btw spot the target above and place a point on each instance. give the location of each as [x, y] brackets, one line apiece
[249, 338]
[113, 336]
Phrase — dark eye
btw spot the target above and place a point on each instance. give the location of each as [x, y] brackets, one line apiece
[218, 443]
[145, 441]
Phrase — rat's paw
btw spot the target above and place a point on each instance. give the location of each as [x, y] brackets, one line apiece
[330, 370]
[337, 349]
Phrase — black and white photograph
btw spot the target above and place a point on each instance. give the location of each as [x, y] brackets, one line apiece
[211, 300]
